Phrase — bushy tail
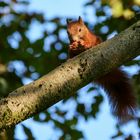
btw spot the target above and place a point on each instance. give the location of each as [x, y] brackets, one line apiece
[120, 93]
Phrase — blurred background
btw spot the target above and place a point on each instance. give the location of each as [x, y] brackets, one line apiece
[33, 41]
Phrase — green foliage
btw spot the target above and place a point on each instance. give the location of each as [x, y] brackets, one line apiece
[23, 58]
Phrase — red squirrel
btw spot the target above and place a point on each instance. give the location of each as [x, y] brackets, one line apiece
[116, 83]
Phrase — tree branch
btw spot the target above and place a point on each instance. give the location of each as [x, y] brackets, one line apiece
[69, 77]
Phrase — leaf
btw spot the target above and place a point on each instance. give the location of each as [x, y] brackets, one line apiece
[72, 122]
[3, 4]
[76, 134]
[95, 106]
[81, 108]
[91, 89]
[90, 3]
[100, 13]
[28, 133]
[117, 135]
[132, 62]
[139, 123]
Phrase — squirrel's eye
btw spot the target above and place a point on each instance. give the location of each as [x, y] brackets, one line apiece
[80, 30]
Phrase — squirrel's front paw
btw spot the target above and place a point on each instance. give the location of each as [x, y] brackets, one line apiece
[84, 44]
[74, 45]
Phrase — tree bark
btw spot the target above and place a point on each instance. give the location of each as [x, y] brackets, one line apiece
[69, 77]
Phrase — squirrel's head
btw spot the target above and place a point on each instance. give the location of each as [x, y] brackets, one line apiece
[76, 29]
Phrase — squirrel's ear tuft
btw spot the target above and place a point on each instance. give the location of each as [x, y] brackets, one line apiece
[68, 21]
[80, 20]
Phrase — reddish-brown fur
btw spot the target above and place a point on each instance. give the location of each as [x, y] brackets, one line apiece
[115, 83]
